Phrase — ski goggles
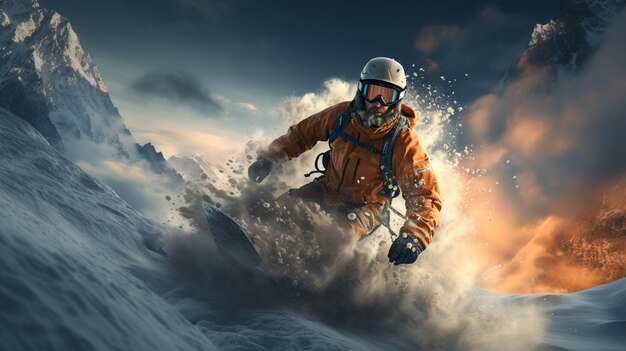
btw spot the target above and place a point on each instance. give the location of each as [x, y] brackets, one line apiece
[383, 93]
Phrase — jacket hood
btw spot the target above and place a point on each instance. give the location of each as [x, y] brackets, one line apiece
[410, 114]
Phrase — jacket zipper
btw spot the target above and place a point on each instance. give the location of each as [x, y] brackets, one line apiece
[343, 174]
[356, 168]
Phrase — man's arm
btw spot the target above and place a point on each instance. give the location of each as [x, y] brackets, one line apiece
[420, 190]
[299, 138]
[304, 135]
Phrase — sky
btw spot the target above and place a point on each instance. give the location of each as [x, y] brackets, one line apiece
[227, 64]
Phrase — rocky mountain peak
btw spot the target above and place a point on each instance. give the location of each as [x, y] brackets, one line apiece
[565, 44]
[18, 7]
[571, 39]
[49, 80]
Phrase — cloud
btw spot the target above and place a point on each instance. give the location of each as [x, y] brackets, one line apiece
[134, 182]
[214, 147]
[552, 151]
[248, 106]
[178, 87]
[296, 108]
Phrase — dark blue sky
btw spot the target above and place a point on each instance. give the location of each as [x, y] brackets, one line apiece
[295, 45]
[259, 52]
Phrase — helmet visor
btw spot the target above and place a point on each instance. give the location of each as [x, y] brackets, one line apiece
[384, 94]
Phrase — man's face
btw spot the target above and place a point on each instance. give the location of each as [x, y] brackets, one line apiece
[376, 108]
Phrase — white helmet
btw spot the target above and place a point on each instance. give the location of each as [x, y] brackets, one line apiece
[384, 69]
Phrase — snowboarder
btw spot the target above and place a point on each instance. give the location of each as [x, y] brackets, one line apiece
[373, 154]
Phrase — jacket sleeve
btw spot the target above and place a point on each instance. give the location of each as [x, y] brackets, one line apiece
[419, 187]
[305, 134]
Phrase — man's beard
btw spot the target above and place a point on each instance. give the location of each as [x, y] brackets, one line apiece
[368, 117]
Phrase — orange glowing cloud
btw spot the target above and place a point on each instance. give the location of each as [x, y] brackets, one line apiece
[549, 209]
[479, 115]
[527, 135]
[567, 255]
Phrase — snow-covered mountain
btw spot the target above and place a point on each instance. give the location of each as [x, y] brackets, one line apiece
[47, 79]
[157, 162]
[567, 42]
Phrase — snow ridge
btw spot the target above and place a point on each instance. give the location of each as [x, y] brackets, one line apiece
[542, 32]
[25, 29]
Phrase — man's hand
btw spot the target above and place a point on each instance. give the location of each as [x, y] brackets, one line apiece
[404, 250]
[260, 169]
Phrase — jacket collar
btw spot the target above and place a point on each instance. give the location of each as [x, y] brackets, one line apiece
[378, 132]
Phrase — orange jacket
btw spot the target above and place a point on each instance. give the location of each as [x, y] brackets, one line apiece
[354, 175]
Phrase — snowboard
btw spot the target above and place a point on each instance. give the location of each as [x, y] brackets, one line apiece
[232, 241]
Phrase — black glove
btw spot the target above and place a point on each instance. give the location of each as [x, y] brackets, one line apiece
[404, 250]
[260, 169]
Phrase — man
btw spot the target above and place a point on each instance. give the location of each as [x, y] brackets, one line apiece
[373, 152]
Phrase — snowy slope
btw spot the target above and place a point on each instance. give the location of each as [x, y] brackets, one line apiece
[594, 319]
[81, 270]
[71, 256]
